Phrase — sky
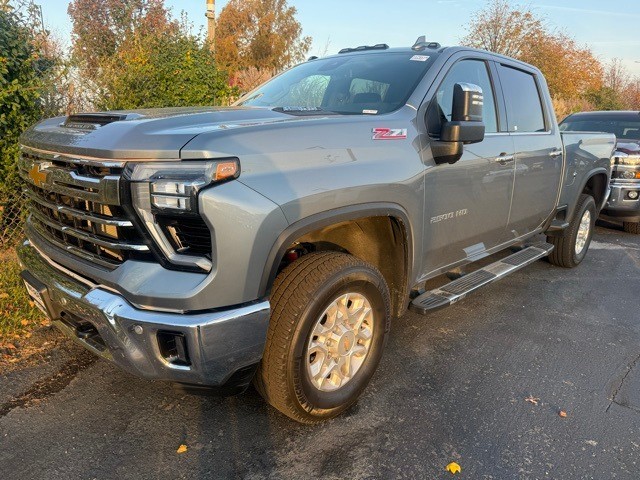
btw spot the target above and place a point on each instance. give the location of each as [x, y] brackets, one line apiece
[608, 28]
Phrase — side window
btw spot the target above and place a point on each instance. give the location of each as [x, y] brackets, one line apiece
[465, 71]
[524, 107]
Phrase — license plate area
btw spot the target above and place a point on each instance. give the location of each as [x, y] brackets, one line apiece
[37, 291]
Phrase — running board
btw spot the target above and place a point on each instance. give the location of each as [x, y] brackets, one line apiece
[458, 289]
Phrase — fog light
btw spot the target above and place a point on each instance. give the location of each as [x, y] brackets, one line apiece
[632, 194]
[173, 347]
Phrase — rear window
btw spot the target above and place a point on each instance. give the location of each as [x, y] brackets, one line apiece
[521, 95]
[623, 127]
[349, 84]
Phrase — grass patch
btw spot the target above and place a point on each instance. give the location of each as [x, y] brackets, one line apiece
[18, 315]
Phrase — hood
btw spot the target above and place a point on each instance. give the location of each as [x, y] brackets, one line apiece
[630, 147]
[140, 134]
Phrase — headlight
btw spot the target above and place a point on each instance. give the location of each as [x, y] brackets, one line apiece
[170, 190]
[175, 186]
[621, 158]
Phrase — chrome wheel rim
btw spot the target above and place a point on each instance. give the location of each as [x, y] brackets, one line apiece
[340, 341]
[583, 232]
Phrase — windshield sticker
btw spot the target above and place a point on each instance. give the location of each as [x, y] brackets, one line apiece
[389, 133]
[370, 112]
[420, 58]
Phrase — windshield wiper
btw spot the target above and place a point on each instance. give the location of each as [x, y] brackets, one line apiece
[304, 111]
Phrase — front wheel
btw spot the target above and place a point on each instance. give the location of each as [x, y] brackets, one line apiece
[571, 248]
[330, 315]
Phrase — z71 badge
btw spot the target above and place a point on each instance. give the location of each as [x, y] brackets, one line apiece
[389, 133]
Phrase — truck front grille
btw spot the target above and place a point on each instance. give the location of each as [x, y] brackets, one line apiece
[74, 205]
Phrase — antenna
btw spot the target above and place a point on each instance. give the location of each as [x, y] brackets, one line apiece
[421, 44]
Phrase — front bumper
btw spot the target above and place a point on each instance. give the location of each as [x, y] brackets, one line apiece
[222, 345]
[619, 206]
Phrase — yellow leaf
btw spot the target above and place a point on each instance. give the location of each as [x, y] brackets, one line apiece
[454, 468]
[182, 448]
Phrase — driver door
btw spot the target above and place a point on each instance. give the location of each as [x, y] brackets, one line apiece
[467, 203]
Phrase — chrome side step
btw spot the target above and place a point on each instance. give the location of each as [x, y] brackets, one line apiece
[458, 289]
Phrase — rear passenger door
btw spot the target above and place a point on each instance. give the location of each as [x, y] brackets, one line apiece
[538, 149]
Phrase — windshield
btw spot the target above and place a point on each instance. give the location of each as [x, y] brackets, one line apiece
[351, 84]
[624, 128]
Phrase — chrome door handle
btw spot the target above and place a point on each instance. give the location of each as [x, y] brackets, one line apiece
[503, 158]
[555, 153]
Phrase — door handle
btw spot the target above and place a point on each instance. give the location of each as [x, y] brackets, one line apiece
[504, 158]
[555, 153]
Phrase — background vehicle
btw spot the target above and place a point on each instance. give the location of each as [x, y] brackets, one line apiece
[276, 239]
[624, 202]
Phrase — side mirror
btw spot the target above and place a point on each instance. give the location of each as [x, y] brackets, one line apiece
[466, 124]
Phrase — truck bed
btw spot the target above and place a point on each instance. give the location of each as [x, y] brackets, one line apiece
[581, 150]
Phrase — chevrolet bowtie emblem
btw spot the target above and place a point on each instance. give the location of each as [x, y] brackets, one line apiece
[38, 174]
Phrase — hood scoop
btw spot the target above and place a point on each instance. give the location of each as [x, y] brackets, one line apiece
[91, 121]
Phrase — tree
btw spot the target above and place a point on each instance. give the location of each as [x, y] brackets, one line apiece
[101, 26]
[616, 76]
[23, 72]
[263, 34]
[505, 30]
[571, 70]
[163, 71]
[136, 55]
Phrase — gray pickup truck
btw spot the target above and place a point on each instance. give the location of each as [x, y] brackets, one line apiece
[274, 241]
[624, 202]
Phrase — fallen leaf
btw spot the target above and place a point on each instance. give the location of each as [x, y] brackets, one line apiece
[531, 399]
[4, 295]
[182, 448]
[11, 346]
[562, 413]
[454, 468]
[24, 322]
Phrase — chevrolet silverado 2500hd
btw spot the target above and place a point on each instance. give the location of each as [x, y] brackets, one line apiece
[275, 240]
[624, 201]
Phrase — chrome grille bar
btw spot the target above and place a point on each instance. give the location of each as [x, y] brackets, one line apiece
[87, 236]
[66, 182]
[94, 217]
[43, 234]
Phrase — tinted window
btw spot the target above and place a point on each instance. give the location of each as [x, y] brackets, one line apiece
[465, 71]
[524, 108]
[623, 127]
[362, 83]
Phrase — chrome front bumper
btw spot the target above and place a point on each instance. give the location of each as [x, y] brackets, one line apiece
[619, 206]
[221, 345]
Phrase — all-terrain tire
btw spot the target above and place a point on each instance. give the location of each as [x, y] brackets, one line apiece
[300, 295]
[565, 253]
[632, 227]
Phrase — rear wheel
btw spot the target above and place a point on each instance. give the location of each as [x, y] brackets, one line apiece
[571, 248]
[632, 227]
[329, 322]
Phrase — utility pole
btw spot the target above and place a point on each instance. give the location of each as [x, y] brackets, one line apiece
[211, 24]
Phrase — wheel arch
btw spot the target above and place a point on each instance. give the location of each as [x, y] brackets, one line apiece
[596, 184]
[354, 218]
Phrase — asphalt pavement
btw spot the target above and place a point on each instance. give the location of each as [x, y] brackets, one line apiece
[452, 386]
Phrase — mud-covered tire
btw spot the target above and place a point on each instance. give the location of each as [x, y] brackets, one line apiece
[566, 253]
[301, 294]
[632, 227]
